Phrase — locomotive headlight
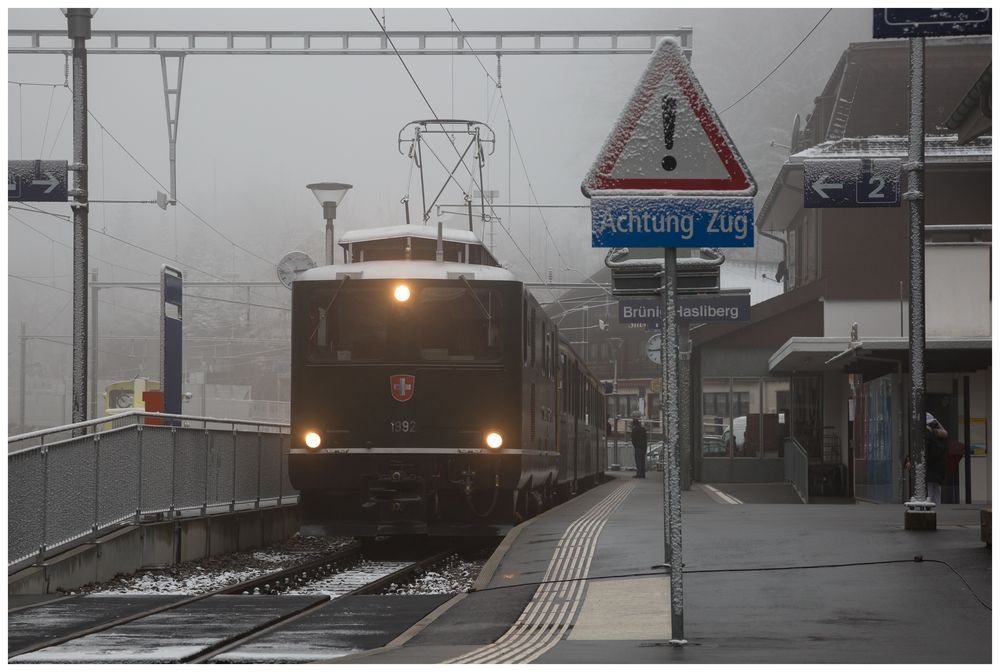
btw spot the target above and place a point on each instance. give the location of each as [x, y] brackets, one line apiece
[313, 440]
[401, 293]
[494, 440]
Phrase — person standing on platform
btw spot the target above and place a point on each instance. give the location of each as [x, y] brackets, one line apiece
[639, 445]
[935, 457]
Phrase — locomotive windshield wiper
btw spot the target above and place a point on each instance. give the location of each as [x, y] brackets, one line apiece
[476, 297]
[321, 322]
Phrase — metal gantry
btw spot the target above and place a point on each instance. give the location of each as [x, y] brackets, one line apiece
[352, 42]
[175, 45]
[172, 46]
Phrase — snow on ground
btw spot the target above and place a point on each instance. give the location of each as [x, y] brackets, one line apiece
[207, 574]
[457, 576]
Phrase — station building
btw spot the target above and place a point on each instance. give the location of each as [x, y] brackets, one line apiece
[819, 376]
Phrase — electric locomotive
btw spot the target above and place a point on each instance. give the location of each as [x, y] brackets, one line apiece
[430, 393]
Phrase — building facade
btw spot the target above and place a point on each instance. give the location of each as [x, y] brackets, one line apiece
[823, 368]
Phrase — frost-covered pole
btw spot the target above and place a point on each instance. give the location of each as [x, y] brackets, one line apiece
[78, 30]
[669, 423]
[686, 451]
[918, 505]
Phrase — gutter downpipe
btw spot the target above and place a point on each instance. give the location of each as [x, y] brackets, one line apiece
[784, 255]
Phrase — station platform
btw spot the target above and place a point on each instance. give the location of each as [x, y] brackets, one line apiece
[763, 583]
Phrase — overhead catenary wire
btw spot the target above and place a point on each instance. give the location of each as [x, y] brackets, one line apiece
[513, 136]
[177, 200]
[125, 242]
[464, 165]
[794, 49]
[70, 247]
[153, 177]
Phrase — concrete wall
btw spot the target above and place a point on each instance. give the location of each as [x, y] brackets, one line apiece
[742, 470]
[958, 289]
[874, 318]
[156, 544]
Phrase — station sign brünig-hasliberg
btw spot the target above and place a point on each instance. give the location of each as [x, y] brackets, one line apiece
[669, 175]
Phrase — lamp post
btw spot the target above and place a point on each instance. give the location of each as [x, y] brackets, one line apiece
[329, 194]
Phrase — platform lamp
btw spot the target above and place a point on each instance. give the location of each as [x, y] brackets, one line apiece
[329, 194]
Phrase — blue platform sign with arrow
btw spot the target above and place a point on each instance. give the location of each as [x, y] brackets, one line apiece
[851, 183]
[900, 22]
[37, 181]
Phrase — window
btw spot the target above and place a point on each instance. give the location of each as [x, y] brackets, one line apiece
[563, 383]
[454, 324]
[545, 350]
[807, 415]
[532, 337]
[716, 403]
[361, 324]
[776, 416]
[745, 417]
[715, 418]
[524, 329]
[347, 325]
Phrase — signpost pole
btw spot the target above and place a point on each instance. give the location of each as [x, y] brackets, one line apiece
[920, 512]
[78, 29]
[670, 427]
[686, 452]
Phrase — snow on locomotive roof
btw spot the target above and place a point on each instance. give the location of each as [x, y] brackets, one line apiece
[409, 230]
[414, 269]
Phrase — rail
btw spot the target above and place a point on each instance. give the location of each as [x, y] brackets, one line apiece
[797, 468]
[66, 485]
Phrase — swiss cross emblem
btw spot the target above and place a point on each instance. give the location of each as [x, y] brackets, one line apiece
[401, 387]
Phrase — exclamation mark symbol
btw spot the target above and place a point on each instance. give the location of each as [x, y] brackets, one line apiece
[669, 108]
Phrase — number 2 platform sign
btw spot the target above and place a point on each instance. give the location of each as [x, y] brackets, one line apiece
[851, 183]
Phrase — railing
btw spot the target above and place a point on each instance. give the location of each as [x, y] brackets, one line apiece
[797, 468]
[68, 484]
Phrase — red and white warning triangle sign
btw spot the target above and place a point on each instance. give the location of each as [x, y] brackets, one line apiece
[669, 138]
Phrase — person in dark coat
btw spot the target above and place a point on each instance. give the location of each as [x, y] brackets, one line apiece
[935, 457]
[639, 445]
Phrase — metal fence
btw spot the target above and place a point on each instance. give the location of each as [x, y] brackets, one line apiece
[797, 467]
[68, 484]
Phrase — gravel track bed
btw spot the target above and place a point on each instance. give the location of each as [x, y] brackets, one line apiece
[195, 577]
[456, 574]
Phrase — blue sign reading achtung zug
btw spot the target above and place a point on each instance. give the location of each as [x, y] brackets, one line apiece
[644, 221]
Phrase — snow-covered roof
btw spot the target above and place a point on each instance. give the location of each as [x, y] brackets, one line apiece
[413, 269]
[409, 230]
[784, 200]
[937, 149]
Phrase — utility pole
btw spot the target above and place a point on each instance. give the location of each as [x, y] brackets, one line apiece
[24, 377]
[78, 30]
[95, 407]
[920, 513]
[686, 451]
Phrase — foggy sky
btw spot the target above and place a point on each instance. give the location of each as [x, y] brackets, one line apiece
[254, 130]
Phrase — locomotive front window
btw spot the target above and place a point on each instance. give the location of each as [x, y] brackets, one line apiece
[347, 326]
[458, 324]
[440, 324]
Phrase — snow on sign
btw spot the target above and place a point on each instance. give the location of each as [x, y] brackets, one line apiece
[668, 174]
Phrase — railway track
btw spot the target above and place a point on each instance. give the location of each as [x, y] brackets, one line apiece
[212, 623]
